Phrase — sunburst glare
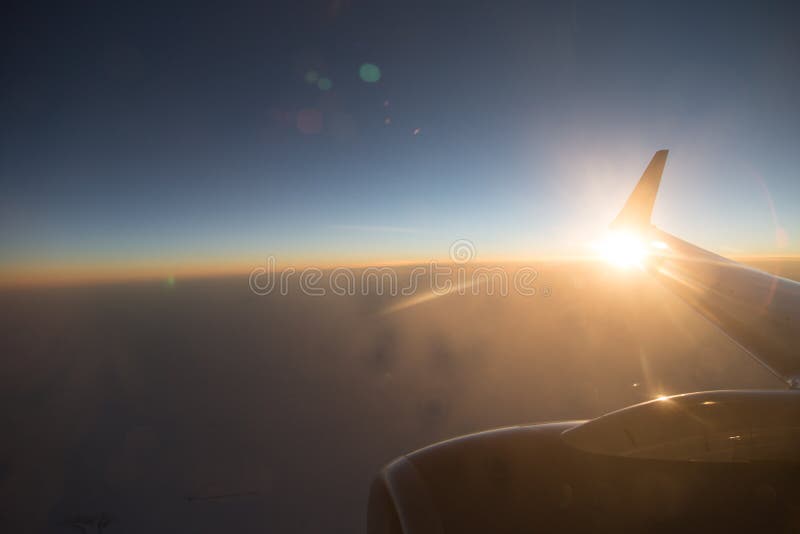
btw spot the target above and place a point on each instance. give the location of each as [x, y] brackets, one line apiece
[621, 249]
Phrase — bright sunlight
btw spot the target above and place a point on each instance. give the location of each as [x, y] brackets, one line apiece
[622, 249]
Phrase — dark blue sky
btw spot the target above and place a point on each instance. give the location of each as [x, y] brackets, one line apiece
[138, 134]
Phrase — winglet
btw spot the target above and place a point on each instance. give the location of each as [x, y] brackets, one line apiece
[639, 207]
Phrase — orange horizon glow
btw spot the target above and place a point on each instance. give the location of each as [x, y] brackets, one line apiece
[76, 274]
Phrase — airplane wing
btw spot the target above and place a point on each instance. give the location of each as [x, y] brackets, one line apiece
[712, 460]
[757, 310]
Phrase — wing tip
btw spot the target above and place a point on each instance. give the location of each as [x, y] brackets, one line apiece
[639, 206]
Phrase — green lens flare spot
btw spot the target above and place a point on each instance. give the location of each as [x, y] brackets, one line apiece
[324, 84]
[369, 73]
[170, 281]
[312, 76]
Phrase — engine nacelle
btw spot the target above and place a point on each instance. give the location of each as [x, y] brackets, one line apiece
[657, 466]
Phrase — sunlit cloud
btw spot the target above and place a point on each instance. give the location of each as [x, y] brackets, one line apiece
[427, 297]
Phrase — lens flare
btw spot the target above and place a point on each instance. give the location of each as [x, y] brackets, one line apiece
[324, 84]
[369, 72]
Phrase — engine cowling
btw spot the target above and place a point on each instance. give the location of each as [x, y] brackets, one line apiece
[658, 466]
[467, 484]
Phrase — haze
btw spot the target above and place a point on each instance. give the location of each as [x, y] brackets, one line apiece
[153, 156]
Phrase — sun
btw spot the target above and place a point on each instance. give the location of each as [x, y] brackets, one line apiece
[622, 249]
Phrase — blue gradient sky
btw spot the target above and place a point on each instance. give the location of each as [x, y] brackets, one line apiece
[167, 135]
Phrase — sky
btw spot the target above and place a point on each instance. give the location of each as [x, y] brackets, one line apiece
[157, 139]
